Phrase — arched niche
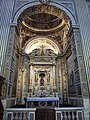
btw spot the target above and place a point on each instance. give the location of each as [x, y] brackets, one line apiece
[38, 42]
[56, 4]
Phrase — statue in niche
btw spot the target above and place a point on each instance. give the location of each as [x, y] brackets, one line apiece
[36, 77]
[49, 52]
[35, 52]
[42, 79]
[48, 77]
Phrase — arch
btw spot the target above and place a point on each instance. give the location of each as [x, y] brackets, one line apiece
[36, 42]
[56, 4]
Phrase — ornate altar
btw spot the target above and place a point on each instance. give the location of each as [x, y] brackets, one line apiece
[42, 102]
[42, 67]
[40, 72]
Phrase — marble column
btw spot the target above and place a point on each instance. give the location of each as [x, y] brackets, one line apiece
[64, 80]
[31, 79]
[58, 75]
[54, 80]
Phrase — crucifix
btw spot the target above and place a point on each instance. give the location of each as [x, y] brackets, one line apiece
[42, 49]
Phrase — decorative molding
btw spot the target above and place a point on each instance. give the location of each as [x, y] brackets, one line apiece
[44, 1]
[42, 52]
[69, 5]
[20, 2]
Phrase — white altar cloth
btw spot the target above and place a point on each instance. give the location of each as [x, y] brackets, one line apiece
[42, 99]
[32, 99]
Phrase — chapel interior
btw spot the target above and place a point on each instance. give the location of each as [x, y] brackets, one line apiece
[44, 62]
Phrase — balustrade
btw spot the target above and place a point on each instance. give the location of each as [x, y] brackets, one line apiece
[20, 114]
[74, 113]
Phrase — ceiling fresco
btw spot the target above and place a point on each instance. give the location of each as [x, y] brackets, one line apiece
[45, 21]
[42, 19]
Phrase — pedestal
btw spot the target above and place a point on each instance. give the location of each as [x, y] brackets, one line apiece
[1, 106]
